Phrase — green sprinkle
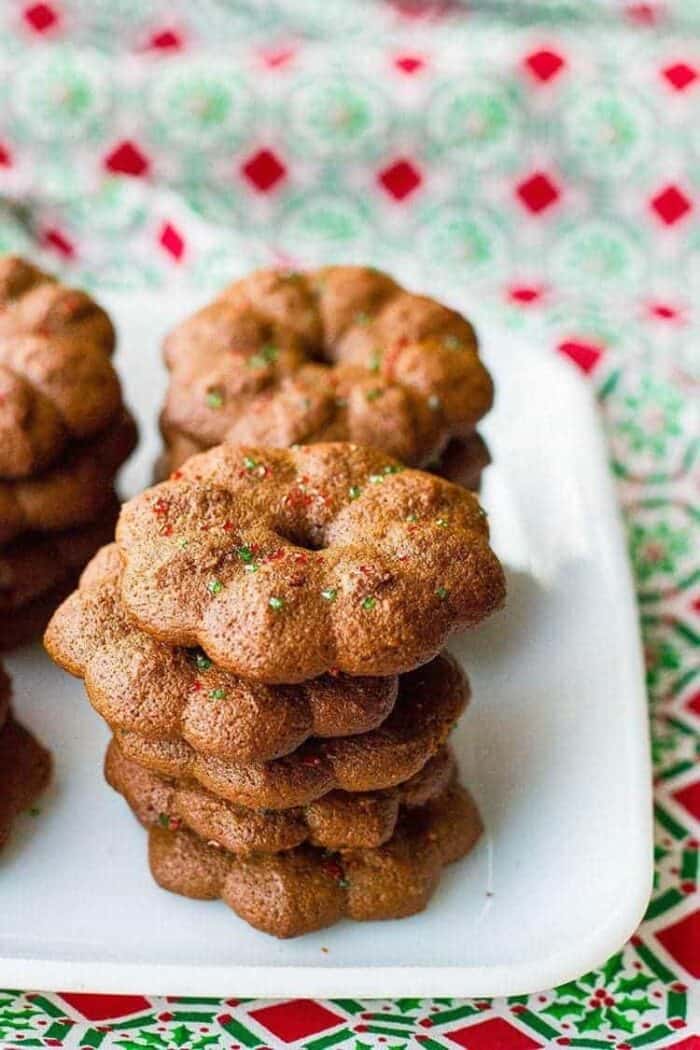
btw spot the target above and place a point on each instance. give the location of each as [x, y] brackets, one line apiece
[182, 543]
[245, 554]
[215, 586]
[218, 694]
[369, 603]
[411, 517]
[344, 883]
[362, 318]
[249, 463]
[267, 355]
[215, 399]
[354, 492]
[252, 567]
[434, 402]
[329, 594]
[392, 468]
[164, 820]
[373, 394]
[276, 603]
[34, 811]
[202, 661]
[442, 593]
[376, 479]
[375, 361]
[442, 522]
[452, 342]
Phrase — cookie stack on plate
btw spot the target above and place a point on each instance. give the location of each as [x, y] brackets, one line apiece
[338, 354]
[264, 640]
[25, 766]
[64, 433]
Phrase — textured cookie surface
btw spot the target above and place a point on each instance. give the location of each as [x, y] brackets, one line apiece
[339, 820]
[72, 492]
[340, 354]
[57, 382]
[462, 461]
[25, 766]
[171, 694]
[36, 564]
[285, 564]
[304, 889]
[430, 701]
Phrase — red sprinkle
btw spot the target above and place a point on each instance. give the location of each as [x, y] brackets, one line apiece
[176, 475]
[161, 506]
[311, 760]
[227, 526]
[166, 530]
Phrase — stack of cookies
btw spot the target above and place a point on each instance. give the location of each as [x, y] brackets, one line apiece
[338, 354]
[25, 766]
[64, 433]
[265, 641]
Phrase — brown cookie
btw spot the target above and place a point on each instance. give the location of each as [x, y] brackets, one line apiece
[164, 693]
[25, 766]
[39, 562]
[339, 354]
[462, 461]
[305, 889]
[430, 701]
[284, 564]
[339, 820]
[57, 382]
[74, 491]
[28, 622]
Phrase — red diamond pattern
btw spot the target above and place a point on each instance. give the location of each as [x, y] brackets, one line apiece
[400, 179]
[671, 204]
[296, 1019]
[166, 40]
[127, 159]
[173, 242]
[585, 355]
[524, 294]
[264, 170]
[53, 238]
[5, 157]
[694, 704]
[494, 1034]
[538, 192]
[409, 64]
[278, 57]
[689, 798]
[680, 75]
[40, 17]
[544, 65]
[682, 941]
[102, 1007]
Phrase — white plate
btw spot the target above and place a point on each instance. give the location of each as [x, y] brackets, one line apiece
[554, 747]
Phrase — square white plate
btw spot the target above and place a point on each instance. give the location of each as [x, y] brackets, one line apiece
[554, 748]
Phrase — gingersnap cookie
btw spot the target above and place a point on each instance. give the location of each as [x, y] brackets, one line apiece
[339, 820]
[25, 766]
[305, 889]
[285, 563]
[27, 623]
[57, 382]
[338, 354]
[172, 694]
[74, 491]
[430, 701]
[37, 563]
[463, 459]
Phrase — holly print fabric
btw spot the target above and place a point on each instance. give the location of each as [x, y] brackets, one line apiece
[541, 159]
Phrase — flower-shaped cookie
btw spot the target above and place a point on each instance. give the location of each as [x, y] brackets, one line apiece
[339, 820]
[74, 491]
[285, 564]
[25, 766]
[57, 382]
[430, 701]
[339, 354]
[304, 889]
[145, 687]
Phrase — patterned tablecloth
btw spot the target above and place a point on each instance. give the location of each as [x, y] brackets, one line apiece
[544, 156]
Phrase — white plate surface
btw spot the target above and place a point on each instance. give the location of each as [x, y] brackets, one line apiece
[554, 748]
